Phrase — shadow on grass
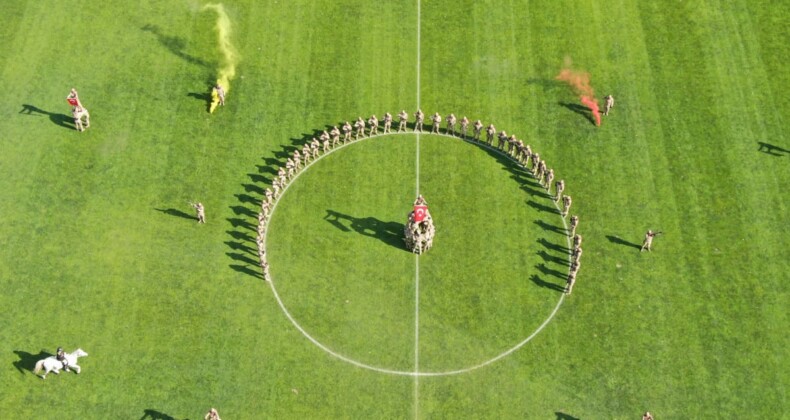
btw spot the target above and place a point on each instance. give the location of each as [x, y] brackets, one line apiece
[244, 269]
[579, 109]
[546, 84]
[151, 414]
[549, 285]
[252, 262]
[27, 361]
[617, 240]
[554, 247]
[240, 247]
[243, 211]
[563, 416]
[177, 213]
[62, 120]
[203, 97]
[536, 192]
[543, 207]
[241, 223]
[551, 272]
[771, 149]
[553, 259]
[391, 233]
[551, 228]
[175, 45]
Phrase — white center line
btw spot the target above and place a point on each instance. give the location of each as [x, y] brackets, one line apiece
[417, 258]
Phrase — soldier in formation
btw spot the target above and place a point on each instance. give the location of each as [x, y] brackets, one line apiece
[464, 126]
[436, 119]
[387, 122]
[403, 117]
[373, 122]
[574, 224]
[490, 133]
[419, 118]
[560, 188]
[566, 204]
[502, 139]
[360, 126]
[478, 127]
[335, 134]
[549, 180]
[347, 132]
[451, 124]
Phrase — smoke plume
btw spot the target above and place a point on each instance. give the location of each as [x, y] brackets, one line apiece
[580, 82]
[230, 58]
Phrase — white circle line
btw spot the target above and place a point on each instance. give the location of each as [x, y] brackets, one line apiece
[393, 371]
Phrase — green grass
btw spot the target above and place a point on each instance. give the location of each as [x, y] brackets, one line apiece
[99, 251]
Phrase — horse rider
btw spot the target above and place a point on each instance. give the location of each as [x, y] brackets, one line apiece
[61, 356]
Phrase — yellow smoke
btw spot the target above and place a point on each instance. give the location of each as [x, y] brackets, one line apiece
[230, 58]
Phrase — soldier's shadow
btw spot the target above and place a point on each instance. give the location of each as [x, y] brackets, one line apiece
[62, 120]
[155, 415]
[391, 233]
[580, 109]
[178, 213]
[27, 361]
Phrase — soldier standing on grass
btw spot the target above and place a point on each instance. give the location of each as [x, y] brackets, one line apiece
[335, 133]
[577, 241]
[535, 162]
[609, 104]
[570, 282]
[574, 225]
[437, 120]
[297, 159]
[346, 132]
[478, 127]
[403, 117]
[648, 242]
[387, 122]
[566, 204]
[490, 132]
[549, 179]
[360, 126]
[451, 124]
[560, 188]
[212, 415]
[419, 118]
[502, 140]
[374, 125]
[464, 126]
[201, 211]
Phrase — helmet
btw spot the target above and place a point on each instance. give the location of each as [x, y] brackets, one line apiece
[60, 349]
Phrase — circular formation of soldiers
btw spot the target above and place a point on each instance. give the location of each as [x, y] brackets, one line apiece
[419, 235]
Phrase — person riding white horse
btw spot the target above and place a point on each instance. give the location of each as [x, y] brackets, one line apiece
[61, 356]
[54, 364]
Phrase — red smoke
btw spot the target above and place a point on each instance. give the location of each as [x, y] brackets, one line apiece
[591, 103]
[580, 82]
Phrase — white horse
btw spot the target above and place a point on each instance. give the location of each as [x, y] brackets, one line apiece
[52, 364]
[79, 113]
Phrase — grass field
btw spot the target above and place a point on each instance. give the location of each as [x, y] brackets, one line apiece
[100, 250]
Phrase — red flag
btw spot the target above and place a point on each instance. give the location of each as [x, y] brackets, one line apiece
[73, 101]
[420, 212]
